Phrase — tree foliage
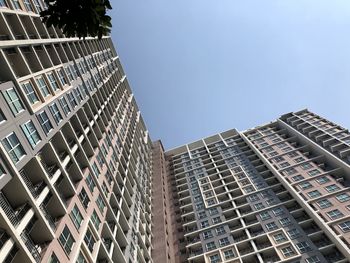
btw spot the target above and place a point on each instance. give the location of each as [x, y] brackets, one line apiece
[78, 18]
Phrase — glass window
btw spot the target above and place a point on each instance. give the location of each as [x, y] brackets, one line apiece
[343, 197]
[84, 199]
[334, 214]
[28, 5]
[314, 194]
[55, 113]
[285, 221]
[66, 239]
[16, 4]
[313, 259]
[81, 258]
[229, 254]
[210, 246]
[322, 180]
[52, 79]
[224, 242]
[72, 100]
[303, 247]
[62, 77]
[76, 217]
[345, 226]
[215, 258]
[2, 117]
[95, 220]
[30, 92]
[271, 226]
[207, 234]
[13, 101]
[45, 122]
[332, 188]
[288, 252]
[43, 86]
[204, 224]
[265, 215]
[53, 259]
[220, 230]
[89, 240]
[100, 203]
[13, 147]
[293, 233]
[64, 105]
[279, 237]
[90, 183]
[31, 133]
[324, 203]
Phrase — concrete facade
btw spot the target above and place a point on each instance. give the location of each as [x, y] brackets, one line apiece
[81, 180]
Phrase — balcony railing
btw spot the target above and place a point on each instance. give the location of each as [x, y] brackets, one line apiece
[31, 246]
[9, 211]
[48, 217]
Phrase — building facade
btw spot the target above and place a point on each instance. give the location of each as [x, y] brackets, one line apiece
[275, 193]
[76, 160]
[81, 180]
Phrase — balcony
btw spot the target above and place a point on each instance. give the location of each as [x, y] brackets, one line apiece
[14, 215]
[33, 249]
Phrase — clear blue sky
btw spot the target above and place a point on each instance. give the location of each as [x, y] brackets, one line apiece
[198, 67]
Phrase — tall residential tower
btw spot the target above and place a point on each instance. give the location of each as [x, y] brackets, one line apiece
[81, 181]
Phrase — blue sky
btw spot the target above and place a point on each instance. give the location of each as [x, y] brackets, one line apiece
[198, 67]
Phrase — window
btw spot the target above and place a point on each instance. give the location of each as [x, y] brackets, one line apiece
[84, 199]
[61, 77]
[314, 194]
[215, 258]
[76, 217]
[90, 183]
[207, 234]
[53, 82]
[201, 215]
[64, 105]
[89, 240]
[285, 221]
[66, 239]
[332, 188]
[229, 254]
[293, 233]
[299, 159]
[81, 258]
[2, 117]
[95, 220]
[288, 252]
[13, 101]
[30, 92]
[259, 206]
[303, 247]
[204, 224]
[100, 203]
[211, 202]
[314, 172]
[324, 203]
[322, 180]
[216, 220]
[44, 122]
[55, 113]
[271, 226]
[13, 147]
[72, 100]
[306, 166]
[224, 242]
[279, 237]
[343, 197]
[297, 178]
[43, 86]
[253, 198]
[31, 133]
[334, 214]
[265, 215]
[305, 185]
[210, 246]
[313, 259]
[345, 226]
[278, 211]
[220, 230]
[53, 259]
[283, 165]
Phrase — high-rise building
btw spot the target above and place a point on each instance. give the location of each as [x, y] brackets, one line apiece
[81, 181]
[75, 168]
[275, 193]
